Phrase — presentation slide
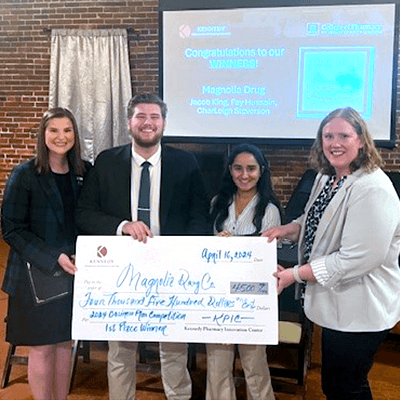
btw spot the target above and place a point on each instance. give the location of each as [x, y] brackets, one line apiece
[276, 72]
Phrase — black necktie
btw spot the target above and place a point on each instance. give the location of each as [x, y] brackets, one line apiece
[144, 195]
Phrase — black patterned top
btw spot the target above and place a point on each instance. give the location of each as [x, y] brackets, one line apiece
[316, 212]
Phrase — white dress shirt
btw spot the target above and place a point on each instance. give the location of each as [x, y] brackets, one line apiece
[155, 186]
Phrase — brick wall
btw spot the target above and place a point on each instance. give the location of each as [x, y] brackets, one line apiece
[24, 75]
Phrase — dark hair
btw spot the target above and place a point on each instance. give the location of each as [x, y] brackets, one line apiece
[146, 98]
[368, 156]
[227, 190]
[75, 162]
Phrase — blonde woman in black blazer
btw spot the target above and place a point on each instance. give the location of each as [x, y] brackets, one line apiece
[38, 224]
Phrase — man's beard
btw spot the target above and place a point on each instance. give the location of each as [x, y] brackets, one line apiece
[147, 143]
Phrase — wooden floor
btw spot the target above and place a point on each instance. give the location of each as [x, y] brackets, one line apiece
[91, 378]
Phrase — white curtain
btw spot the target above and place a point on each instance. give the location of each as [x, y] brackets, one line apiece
[89, 75]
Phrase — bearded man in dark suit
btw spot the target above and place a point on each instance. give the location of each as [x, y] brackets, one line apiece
[108, 205]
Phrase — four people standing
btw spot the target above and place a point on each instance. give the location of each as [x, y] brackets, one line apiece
[349, 239]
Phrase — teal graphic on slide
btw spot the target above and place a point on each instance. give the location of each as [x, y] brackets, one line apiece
[333, 77]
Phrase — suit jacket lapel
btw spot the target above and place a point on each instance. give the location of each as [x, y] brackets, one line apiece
[334, 207]
[167, 184]
[122, 179]
[77, 183]
[49, 185]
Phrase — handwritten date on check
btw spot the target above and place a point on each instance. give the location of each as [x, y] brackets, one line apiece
[193, 289]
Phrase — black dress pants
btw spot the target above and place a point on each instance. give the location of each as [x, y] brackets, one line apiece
[347, 358]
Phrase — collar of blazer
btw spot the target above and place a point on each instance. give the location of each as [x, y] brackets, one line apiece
[168, 182]
[334, 205]
[50, 188]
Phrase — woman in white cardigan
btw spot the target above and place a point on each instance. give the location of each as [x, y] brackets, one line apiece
[349, 239]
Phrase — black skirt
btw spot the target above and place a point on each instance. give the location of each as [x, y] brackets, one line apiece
[29, 324]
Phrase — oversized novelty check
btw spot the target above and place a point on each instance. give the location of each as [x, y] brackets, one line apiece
[176, 289]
